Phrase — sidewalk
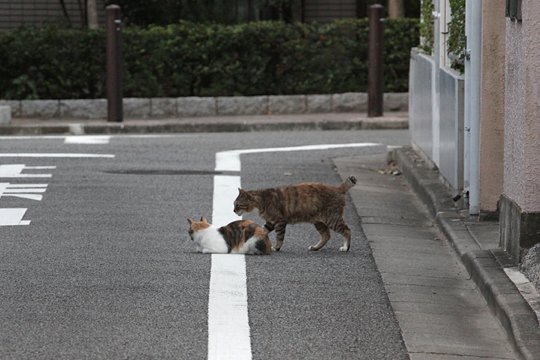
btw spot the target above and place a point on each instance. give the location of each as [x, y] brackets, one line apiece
[477, 245]
[435, 304]
[324, 121]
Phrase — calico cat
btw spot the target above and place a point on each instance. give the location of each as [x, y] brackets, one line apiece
[316, 203]
[238, 237]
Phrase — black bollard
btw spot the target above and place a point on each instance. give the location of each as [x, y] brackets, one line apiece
[375, 61]
[114, 64]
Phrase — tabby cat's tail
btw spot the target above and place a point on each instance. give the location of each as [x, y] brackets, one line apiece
[347, 184]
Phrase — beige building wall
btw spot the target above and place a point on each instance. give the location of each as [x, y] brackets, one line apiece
[492, 105]
[522, 116]
[520, 201]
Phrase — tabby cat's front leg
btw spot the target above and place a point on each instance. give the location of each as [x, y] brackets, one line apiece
[280, 234]
[269, 226]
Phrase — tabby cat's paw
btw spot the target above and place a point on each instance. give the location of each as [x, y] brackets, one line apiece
[343, 248]
[312, 248]
[275, 249]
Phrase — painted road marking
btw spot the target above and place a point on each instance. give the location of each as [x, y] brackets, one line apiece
[88, 139]
[225, 191]
[15, 171]
[55, 155]
[12, 217]
[23, 191]
[228, 323]
[230, 160]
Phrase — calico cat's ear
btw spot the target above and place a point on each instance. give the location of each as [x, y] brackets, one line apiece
[203, 219]
[190, 221]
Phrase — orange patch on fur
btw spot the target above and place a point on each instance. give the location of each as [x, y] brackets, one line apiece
[196, 226]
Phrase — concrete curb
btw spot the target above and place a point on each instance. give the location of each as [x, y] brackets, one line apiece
[484, 266]
[208, 124]
[148, 108]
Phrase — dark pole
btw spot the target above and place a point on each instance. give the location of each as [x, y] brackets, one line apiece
[375, 61]
[251, 10]
[114, 64]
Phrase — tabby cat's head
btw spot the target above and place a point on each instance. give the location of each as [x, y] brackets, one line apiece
[195, 226]
[244, 202]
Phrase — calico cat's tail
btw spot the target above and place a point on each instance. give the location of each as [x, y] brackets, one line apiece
[347, 184]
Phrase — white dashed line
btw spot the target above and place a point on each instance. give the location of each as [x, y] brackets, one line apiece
[88, 139]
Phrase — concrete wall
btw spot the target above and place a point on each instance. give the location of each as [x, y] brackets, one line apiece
[451, 114]
[492, 105]
[437, 93]
[422, 70]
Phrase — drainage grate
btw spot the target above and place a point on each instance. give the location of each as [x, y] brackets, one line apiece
[162, 172]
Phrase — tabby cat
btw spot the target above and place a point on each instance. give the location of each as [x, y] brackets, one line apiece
[316, 203]
[238, 237]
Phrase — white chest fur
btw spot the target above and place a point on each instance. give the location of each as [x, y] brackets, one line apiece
[209, 240]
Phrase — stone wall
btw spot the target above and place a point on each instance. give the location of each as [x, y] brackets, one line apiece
[137, 108]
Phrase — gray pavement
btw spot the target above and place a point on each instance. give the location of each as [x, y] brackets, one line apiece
[440, 279]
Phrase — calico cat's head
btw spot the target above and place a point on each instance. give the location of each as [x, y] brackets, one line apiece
[244, 202]
[195, 226]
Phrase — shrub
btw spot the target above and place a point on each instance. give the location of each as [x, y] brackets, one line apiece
[426, 26]
[192, 59]
[456, 35]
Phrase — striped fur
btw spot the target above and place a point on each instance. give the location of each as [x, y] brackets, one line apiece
[238, 237]
[316, 203]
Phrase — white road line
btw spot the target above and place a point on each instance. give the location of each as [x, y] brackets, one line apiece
[225, 191]
[15, 171]
[54, 155]
[230, 160]
[12, 217]
[88, 139]
[228, 324]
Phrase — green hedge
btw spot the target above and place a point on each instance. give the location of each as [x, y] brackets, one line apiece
[189, 59]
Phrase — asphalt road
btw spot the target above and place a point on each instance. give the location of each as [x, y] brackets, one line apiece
[105, 269]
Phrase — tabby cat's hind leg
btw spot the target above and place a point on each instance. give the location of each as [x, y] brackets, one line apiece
[280, 234]
[325, 236]
[341, 228]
